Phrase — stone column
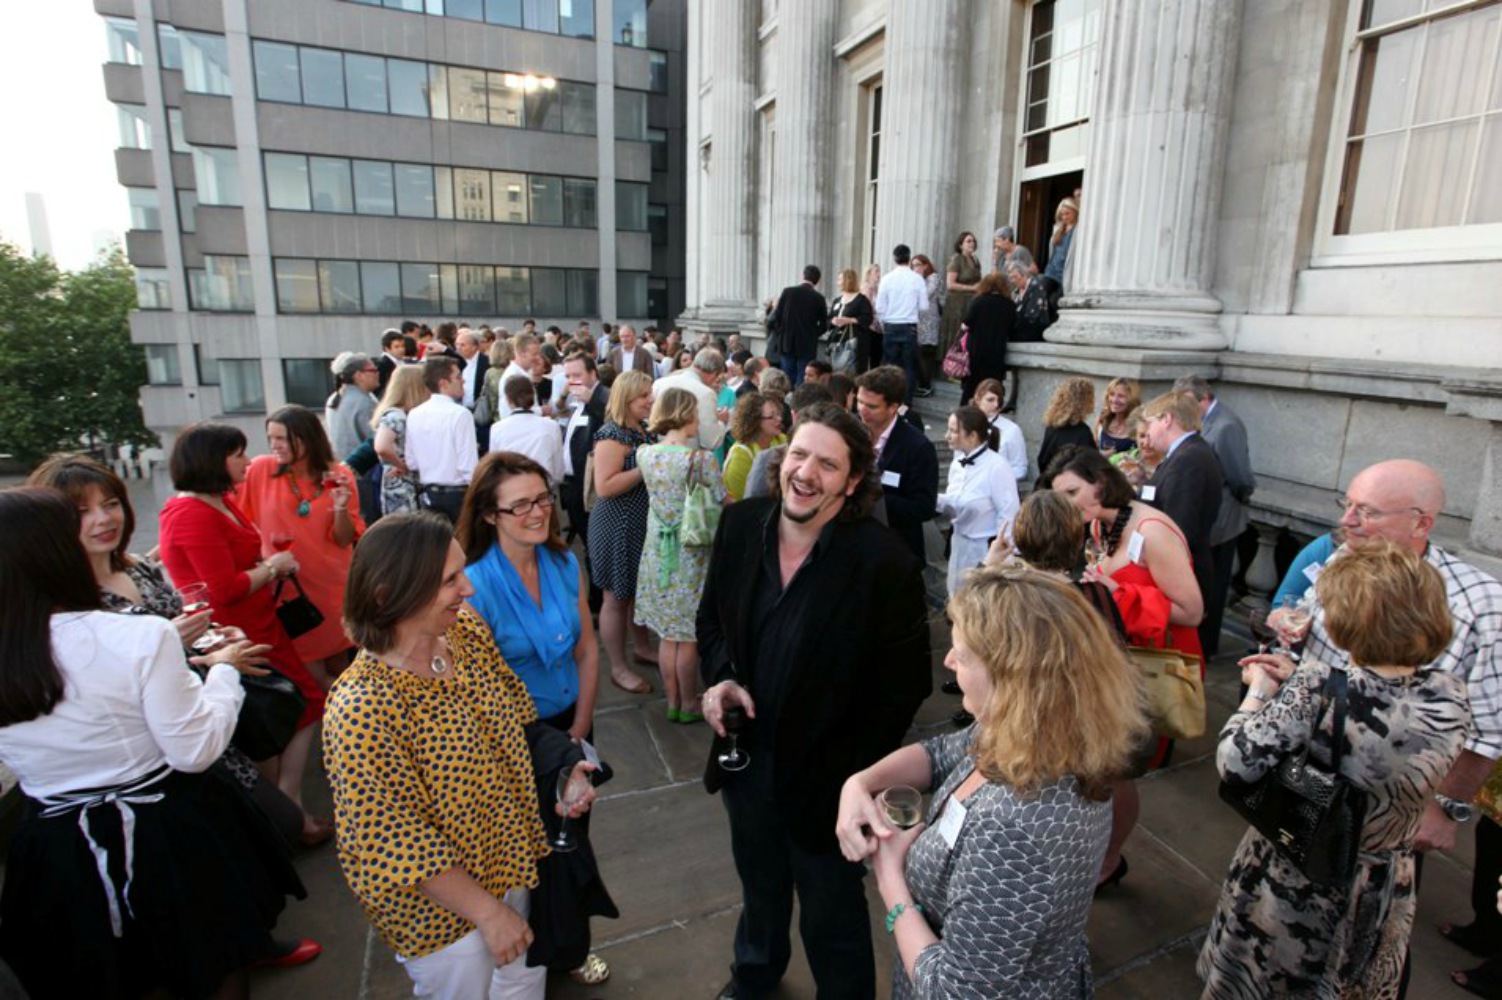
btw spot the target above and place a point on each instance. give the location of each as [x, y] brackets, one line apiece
[1142, 264]
[802, 199]
[730, 195]
[923, 98]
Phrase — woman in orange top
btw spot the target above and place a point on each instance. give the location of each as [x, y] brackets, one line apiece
[300, 499]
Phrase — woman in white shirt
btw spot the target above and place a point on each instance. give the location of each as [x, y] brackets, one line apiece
[980, 496]
[133, 867]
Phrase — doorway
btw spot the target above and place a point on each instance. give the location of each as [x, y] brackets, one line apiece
[1036, 204]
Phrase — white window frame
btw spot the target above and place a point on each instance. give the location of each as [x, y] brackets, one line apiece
[1051, 167]
[1440, 244]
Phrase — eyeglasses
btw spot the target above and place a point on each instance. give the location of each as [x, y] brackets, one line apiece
[1365, 513]
[524, 507]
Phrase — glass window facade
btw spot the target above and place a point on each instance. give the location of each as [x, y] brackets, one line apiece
[287, 182]
[135, 132]
[631, 293]
[169, 47]
[221, 285]
[630, 23]
[391, 288]
[329, 78]
[241, 390]
[205, 63]
[333, 191]
[1062, 52]
[145, 208]
[630, 114]
[163, 365]
[175, 128]
[375, 193]
[572, 18]
[124, 41]
[216, 174]
[308, 382]
[631, 206]
[153, 288]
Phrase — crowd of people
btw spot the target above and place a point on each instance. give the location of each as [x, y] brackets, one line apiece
[426, 578]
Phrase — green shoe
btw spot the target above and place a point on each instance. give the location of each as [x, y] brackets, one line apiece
[689, 718]
[673, 714]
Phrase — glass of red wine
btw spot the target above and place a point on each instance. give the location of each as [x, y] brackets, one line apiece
[734, 721]
[281, 541]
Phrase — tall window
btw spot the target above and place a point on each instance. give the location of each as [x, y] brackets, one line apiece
[1425, 132]
[872, 171]
[1061, 55]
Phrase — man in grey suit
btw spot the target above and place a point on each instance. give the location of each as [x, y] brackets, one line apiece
[1225, 433]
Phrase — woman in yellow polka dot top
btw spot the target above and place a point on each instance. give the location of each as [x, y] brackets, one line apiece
[434, 796]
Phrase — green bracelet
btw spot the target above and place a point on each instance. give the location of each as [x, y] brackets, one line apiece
[897, 911]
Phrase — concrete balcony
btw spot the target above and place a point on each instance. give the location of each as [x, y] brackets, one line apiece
[133, 168]
[221, 230]
[124, 84]
[146, 248]
[207, 120]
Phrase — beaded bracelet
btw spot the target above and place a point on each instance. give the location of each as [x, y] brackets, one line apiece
[897, 911]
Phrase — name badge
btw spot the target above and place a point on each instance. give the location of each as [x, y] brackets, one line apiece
[892, 479]
[952, 820]
[1134, 547]
[1312, 571]
[1149, 493]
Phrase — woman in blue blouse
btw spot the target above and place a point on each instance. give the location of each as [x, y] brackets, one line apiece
[530, 590]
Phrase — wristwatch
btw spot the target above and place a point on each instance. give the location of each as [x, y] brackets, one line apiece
[1455, 809]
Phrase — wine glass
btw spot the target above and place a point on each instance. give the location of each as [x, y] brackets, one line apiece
[734, 720]
[281, 541]
[571, 789]
[903, 806]
[331, 479]
[195, 598]
[1298, 615]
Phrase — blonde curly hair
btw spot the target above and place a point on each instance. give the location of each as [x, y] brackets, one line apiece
[1071, 403]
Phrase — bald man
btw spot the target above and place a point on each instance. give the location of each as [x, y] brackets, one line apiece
[1399, 501]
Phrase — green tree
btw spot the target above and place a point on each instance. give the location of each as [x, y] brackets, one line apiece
[71, 377]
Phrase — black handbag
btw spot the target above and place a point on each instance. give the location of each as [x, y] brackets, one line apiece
[1312, 816]
[299, 616]
[269, 715]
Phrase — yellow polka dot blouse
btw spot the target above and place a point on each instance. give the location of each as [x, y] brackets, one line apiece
[430, 775]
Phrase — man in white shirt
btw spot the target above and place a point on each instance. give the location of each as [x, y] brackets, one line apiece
[631, 356]
[526, 353]
[526, 432]
[441, 439]
[702, 378]
[1013, 447]
[899, 299]
[475, 365]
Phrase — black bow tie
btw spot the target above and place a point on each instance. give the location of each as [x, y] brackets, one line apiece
[969, 460]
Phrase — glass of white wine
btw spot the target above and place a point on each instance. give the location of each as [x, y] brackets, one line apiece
[903, 806]
[571, 789]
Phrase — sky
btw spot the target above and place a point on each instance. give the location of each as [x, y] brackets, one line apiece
[62, 131]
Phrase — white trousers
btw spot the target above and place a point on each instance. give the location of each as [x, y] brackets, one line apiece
[964, 553]
[466, 970]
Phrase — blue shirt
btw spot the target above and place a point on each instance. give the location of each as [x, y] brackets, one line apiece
[1059, 257]
[1296, 581]
[537, 642]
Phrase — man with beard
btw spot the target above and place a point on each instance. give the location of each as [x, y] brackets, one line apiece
[813, 624]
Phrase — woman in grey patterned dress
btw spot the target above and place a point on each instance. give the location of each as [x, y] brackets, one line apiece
[989, 899]
[1275, 933]
[405, 390]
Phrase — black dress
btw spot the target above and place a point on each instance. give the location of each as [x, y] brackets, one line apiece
[1056, 438]
[867, 341]
[990, 319]
[618, 524]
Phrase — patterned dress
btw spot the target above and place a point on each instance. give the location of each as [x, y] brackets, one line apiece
[671, 579]
[398, 492]
[1274, 931]
[1010, 899]
[618, 524]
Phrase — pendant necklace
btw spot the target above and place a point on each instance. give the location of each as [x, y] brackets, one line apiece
[304, 507]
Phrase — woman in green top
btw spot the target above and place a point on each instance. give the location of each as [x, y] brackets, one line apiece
[756, 426]
[961, 277]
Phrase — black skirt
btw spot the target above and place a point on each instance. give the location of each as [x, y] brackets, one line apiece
[209, 878]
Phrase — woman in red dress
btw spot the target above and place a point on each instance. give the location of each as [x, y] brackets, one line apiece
[302, 501]
[206, 538]
[1140, 555]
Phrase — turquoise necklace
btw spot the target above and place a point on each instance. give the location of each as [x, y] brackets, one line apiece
[304, 507]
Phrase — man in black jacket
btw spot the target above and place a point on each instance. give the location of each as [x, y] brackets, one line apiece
[1187, 483]
[813, 622]
[906, 459]
[799, 320]
[589, 396]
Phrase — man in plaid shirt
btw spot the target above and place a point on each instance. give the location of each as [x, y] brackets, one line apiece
[1399, 501]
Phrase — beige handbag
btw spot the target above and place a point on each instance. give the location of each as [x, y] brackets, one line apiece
[1174, 690]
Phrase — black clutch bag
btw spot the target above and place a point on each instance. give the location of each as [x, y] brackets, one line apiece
[269, 715]
[1312, 816]
[298, 615]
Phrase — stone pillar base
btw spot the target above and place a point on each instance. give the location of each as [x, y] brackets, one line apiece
[720, 319]
[1185, 323]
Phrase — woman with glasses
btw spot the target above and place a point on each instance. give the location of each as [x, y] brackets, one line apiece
[756, 426]
[671, 578]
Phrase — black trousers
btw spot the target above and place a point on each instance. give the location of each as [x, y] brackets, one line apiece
[833, 920]
[446, 500]
[1224, 557]
[572, 492]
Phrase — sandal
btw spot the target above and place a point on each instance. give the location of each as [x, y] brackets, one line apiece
[1480, 981]
[1470, 937]
[642, 685]
[593, 972]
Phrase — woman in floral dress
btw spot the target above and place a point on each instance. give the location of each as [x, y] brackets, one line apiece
[671, 578]
[1275, 932]
[405, 390]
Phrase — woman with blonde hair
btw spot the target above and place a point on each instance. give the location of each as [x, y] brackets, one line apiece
[851, 311]
[615, 546]
[1064, 420]
[405, 391]
[756, 426]
[991, 895]
[1065, 218]
[671, 578]
[1113, 425]
[1276, 932]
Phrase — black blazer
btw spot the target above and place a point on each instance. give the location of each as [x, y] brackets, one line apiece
[855, 681]
[800, 319]
[385, 366]
[1187, 487]
[911, 456]
[583, 441]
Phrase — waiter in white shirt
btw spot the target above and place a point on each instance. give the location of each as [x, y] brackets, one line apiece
[899, 299]
[441, 439]
[527, 433]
